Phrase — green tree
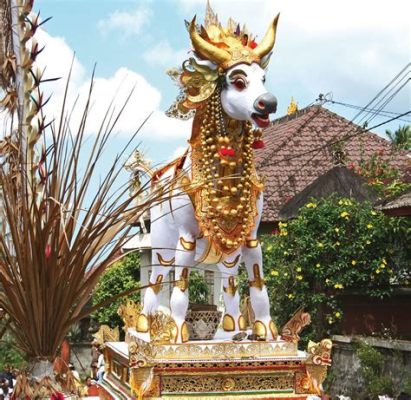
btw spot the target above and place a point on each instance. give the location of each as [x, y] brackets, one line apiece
[333, 245]
[121, 276]
[10, 354]
[198, 289]
[400, 138]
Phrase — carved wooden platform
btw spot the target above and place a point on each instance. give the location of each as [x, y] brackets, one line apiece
[214, 369]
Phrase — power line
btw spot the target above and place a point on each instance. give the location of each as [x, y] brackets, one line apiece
[382, 113]
[397, 78]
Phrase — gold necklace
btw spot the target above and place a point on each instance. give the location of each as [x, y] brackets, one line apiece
[223, 171]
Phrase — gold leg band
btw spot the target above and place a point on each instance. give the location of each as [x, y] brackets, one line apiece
[187, 245]
[231, 264]
[156, 287]
[251, 243]
[232, 287]
[182, 283]
[165, 263]
[258, 282]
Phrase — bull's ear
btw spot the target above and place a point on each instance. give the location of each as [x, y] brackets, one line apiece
[265, 60]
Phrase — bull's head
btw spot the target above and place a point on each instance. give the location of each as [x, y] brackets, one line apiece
[241, 64]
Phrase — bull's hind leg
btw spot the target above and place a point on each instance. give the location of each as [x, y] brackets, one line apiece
[232, 320]
[162, 260]
[263, 325]
[184, 259]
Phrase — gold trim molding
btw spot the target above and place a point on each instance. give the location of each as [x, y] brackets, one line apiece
[251, 243]
[165, 263]
[187, 245]
[231, 264]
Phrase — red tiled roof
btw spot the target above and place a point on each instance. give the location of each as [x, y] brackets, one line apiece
[297, 152]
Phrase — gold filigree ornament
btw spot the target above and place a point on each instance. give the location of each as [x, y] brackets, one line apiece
[231, 289]
[224, 186]
[163, 329]
[228, 47]
[228, 384]
[290, 331]
[106, 334]
[129, 313]
[187, 245]
[141, 368]
[197, 83]
[318, 360]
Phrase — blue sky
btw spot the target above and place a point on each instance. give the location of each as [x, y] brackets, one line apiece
[349, 48]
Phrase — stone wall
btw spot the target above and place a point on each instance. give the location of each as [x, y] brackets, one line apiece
[344, 375]
[81, 358]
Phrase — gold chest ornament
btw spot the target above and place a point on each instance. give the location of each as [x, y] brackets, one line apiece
[224, 187]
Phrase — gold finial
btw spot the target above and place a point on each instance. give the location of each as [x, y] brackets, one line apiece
[293, 107]
[210, 16]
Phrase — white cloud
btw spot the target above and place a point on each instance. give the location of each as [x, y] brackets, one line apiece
[145, 99]
[178, 152]
[128, 23]
[163, 54]
[351, 47]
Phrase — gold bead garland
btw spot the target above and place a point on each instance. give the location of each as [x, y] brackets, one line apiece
[224, 167]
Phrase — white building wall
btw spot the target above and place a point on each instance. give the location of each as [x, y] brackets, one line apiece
[142, 242]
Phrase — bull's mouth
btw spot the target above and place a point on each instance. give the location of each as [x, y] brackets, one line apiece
[262, 120]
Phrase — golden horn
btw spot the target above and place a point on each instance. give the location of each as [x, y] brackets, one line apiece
[267, 43]
[205, 49]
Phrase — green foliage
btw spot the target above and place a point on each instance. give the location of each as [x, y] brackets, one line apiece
[74, 334]
[377, 378]
[381, 176]
[121, 276]
[401, 138]
[10, 354]
[198, 290]
[372, 365]
[333, 245]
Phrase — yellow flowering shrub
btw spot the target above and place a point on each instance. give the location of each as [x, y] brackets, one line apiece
[329, 249]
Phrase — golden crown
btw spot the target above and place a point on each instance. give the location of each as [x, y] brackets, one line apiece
[229, 46]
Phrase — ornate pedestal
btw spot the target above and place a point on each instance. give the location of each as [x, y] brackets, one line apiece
[214, 369]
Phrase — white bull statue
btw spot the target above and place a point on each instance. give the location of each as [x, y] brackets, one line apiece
[213, 212]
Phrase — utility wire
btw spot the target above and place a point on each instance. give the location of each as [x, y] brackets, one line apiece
[354, 107]
[396, 77]
[357, 129]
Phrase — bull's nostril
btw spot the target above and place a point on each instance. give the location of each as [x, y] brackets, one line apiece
[266, 103]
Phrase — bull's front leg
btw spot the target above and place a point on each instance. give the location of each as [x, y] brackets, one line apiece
[184, 259]
[263, 326]
[232, 320]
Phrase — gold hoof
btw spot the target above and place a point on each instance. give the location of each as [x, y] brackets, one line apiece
[142, 323]
[228, 323]
[260, 330]
[185, 336]
[241, 323]
[273, 329]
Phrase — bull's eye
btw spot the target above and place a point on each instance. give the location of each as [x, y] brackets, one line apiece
[239, 83]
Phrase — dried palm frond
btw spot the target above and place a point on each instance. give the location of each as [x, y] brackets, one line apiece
[55, 247]
[5, 41]
[57, 240]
